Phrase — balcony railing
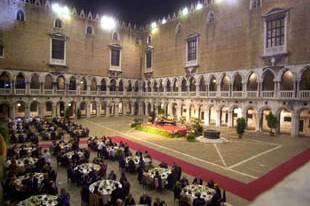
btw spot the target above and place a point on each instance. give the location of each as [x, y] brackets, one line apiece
[184, 94]
[192, 94]
[83, 92]
[175, 94]
[113, 93]
[5, 91]
[71, 92]
[203, 94]
[237, 94]
[251, 94]
[287, 94]
[267, 94]
[48, 91]
[304, 94]
[35, 91]
[20, 91]
[60, 92]
[93, 93]
[225, 94]
[102, 93]
[212, 93]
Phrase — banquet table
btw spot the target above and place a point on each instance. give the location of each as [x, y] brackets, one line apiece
[163, 172]
[105, 187]
[86, 168]
[70, 154]
[112, 150]
[42, 200]
[136, 160]
[19, 180]
[205, 192]
[23, 162]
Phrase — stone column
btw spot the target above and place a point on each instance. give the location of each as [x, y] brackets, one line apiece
[41, 110]
[178, 108]
[259, 122]
[98, 108]
[13, 111]
[206, 118]
[197, 89]
[244, 89]
[116, 109]
[140, 109]
[132, 108]
[27, 110]
[146, 109]
[230, 119]
[295, 125]
[276, 89]
[218, 118]
[54, 108]
[88, 111]
[107, 109]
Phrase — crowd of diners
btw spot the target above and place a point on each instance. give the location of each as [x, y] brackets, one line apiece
[29, 172]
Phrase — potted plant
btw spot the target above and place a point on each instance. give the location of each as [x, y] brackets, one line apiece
[272, 123]
[240, 128]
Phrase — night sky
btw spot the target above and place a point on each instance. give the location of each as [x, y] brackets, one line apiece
[140, 12]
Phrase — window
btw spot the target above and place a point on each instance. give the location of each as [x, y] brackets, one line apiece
[192, 47]
[115, 57]
[149, 39]
[149, 58]
[115, 36]
[1, 51]
[20, 16]
[255, 4]
[58, 50]
[58, 24]
[89, 30]
[211, 18]
[275, 32]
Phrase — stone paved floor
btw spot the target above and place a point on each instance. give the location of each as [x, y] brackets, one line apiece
[243, 159]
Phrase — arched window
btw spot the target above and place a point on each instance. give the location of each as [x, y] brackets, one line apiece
[61, 83]
[58, 24]
[155, 89]
[192, 82]
[212, 84]
[20, 16]
[168, 86]
[175, 85]
[305, 80]
[35, 82]
[161, 86]
[149, 39]
[225, 83]
[113, 85]
[103, 85]
[136, 86]
[48, 83]
[115, 36]
[183, 85]
[202, 85]
[5, 80]
[149, 87]
[129, 87]
[120, 86]
[178, 28]
[93, 86]
[287, 81]
[72, 83]
[83, 84]
[20, 82]
[268, 84]
[211, 17]
[252, 84]
[237, 83]
[89, 30]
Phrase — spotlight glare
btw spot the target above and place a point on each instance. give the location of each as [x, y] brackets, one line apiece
[62, 11]
[108, 23]
[154, 25]
[185, 11]
[164, 21]
[199, 6]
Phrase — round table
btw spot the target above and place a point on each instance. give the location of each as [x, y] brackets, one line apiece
[136, 160]
[70, 154]
[86, 168]
[205, 192]
[105, 187]
[37, 175]
[46, 200]
[24, 162]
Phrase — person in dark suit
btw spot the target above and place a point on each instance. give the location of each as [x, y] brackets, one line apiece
[145, 200]
[199, 201]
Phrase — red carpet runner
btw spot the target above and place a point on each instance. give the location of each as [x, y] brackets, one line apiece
[247, 191]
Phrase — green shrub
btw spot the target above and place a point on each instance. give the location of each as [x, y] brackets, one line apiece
[272, 122]
[240, 128]
[191, 137]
